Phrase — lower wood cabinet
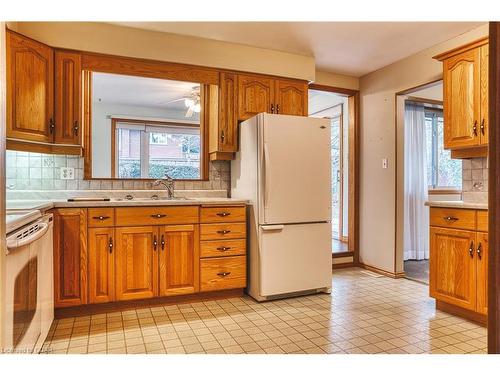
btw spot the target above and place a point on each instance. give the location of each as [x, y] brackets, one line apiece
[101, 265]
[459, 258]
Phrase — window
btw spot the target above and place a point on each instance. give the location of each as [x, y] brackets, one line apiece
[154, 150]
[442, 170]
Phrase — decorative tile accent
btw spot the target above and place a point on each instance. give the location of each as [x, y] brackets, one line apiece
[364, 314]
[33, 171]
[475, 175]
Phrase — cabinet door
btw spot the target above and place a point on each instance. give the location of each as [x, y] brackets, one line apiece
[70, 257]
[228, 122]
[179, 259]
[462, 100]
[255, 95]
[482, 273]
[30, 89]
[67, 98]
[453, 266]
[291, 98]
[101, 265]
[484, 95]
[136, 262]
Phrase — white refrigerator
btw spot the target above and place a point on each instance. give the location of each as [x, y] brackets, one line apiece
[284, 169]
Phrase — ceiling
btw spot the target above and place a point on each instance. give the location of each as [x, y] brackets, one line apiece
[323, 100]
[351, 48]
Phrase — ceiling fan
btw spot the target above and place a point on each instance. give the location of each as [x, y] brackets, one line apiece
[191, 101]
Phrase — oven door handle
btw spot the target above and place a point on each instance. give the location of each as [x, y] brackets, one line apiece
[13, 243]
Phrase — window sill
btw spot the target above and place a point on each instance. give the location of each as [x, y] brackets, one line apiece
[443, 191]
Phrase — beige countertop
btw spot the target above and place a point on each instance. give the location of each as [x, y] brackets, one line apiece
[458, 204]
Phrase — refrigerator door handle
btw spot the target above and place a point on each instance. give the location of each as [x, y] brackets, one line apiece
[267, 175]
[272, 227]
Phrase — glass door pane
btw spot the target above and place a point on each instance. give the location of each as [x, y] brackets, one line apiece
[336, 177]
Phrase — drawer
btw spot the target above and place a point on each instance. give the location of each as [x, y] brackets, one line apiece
[222, 214]
[224, 248]
[453, 218]
[133, 216]
[223, 273]
[223, 231]
[482, 221]
[101, 217]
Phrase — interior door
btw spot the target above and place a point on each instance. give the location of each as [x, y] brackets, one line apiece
[136, 262]
[295, 169]
[179, 259]
[294, 258]
[453, 267]
[482, 273]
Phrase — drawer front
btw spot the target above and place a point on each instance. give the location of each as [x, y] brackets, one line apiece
[222, 214]
[222, 273]
[224, 231]
[134, 216]
[222, 248]
[101, 217]
[453, 218]
[482, 221]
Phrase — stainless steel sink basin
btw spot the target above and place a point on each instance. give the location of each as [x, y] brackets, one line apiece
[150, 199]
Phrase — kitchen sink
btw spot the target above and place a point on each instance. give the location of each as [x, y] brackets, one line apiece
[150, 199]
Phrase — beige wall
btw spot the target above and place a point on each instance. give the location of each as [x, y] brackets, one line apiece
[2, 177]
[126, 41]
[336, 80]
[378, 140]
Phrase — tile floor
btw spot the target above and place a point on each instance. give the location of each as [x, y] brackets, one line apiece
[364, 314]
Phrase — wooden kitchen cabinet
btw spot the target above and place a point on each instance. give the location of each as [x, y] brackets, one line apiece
[225, 139]
[70, 257]
[136, 263]
[465, 100]
[101, 265]
[482, 250]
[255, 95]
[291, 97]
[68, 91]
[179, 270]
[30, 89]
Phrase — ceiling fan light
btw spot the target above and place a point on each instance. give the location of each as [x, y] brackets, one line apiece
[197, 108]
[188, 102]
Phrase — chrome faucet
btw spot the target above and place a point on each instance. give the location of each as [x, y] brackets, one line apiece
[167, 183]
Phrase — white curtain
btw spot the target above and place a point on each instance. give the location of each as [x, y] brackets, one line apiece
[416, 214]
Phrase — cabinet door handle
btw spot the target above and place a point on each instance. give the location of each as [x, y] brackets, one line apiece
[110, 245]
[52, 125]
[224, 274]
[223, 214]
[450, 218]
[277, 108]
[222, 136]
[155, 243]
[272, 108]
[224, 231]
[100, 218]
[162, 242]
[75, 128]
[158, 216]
[474, 128]
[471, 249]
[223, 248]
[479, 251]
[482, 126]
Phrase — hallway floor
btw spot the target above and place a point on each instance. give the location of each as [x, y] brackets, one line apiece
[366, 313]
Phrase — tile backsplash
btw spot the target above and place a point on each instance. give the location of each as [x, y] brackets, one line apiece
[475, 175]
[34, 171]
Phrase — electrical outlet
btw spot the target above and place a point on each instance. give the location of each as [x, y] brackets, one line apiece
[385, 163]
[67, 173]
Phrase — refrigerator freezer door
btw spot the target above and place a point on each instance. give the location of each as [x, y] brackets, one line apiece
[295, 258]
[295, 169]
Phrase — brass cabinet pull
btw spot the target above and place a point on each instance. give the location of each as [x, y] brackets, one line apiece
[223, 214]
[223, 248]
[272, 108]
[450, 218]
[100, 217]
[479, 251]
[482, 126]
[277, 108]
[162, 242]
[52, 125]
[75, 128]
[155, 243]
[158, 216]
[224, 274]
[474, 128]
[110, 245]
[471, 249]
[224, 231]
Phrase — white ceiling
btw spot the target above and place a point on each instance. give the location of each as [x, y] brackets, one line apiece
[352, 48]
[321, 100]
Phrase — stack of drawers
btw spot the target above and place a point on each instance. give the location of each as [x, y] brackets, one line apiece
[222, 248]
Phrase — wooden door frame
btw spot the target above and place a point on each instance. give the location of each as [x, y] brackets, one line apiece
[494, 190]
[353, 166]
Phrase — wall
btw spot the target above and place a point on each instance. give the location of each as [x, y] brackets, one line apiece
[336, 80]
[378, 140]
[126, 41]
[475, 175]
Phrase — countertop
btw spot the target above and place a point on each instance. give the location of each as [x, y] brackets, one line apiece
[458, 204]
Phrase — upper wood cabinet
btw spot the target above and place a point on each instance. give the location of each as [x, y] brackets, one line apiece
[465, 101]
[227, 136]
[30, 89]
[255, 95]
[101, 265]
[70, 257]
[291, 98]
[68, 81]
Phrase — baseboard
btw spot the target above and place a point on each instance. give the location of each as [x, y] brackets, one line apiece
[463, 313]
[394, 275]
[343, 265]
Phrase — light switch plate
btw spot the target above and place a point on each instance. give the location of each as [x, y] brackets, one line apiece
[67, 173]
